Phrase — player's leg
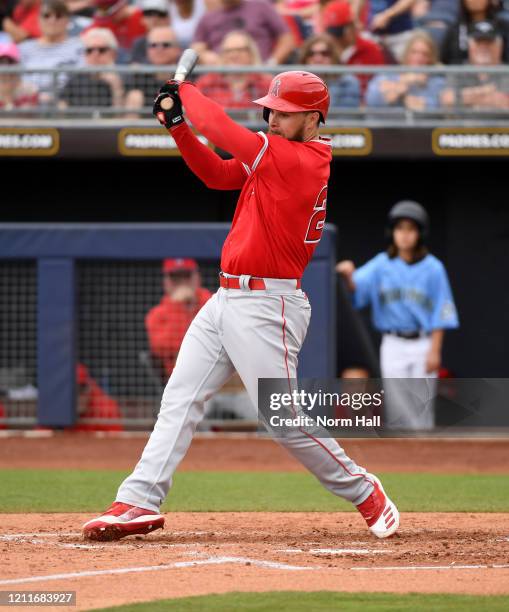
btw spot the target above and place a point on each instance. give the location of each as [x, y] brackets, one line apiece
[263, 337]
[396, 365]
[201, 369]
[424, 385]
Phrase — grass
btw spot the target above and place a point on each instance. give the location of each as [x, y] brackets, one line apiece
[92, 491]
[321, 601]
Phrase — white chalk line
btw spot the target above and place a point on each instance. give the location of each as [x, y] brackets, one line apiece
[155, 568]
[406, 568]
[25, 538]
[335, 551]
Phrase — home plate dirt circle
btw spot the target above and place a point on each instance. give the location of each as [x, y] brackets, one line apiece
[202, 553]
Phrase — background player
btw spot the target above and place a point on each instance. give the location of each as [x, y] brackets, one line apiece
[411, 301]
[257, 321]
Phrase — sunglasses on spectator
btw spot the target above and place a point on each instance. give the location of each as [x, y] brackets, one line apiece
[164, 45]
[322, 52]
[236, 50]
[152, 13]
[179, 274]
[101, 50]
[49, 15]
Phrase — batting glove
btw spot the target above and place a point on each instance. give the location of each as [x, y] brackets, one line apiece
[168, 118]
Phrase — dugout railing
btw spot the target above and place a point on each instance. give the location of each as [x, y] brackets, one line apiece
[79, 293]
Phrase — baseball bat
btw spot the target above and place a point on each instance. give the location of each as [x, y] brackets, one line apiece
[184, 68]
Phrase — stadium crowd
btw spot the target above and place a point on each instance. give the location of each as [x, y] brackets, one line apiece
[67, 34]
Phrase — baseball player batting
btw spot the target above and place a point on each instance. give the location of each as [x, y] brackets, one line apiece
[257, 321]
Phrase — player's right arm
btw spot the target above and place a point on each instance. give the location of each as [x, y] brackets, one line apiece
[346, 268]
[215, 172]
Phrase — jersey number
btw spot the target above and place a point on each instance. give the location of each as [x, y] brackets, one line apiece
[317, 220]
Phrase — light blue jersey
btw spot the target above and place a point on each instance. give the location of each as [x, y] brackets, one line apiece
[405, 297]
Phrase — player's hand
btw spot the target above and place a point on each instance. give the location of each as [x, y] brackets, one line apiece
[433, 361]
[183, 293]
[169, 117]
[345, 268]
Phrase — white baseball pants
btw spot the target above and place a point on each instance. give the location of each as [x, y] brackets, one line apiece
[259, 334]
[409, 390]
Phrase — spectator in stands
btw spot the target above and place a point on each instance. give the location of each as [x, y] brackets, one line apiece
[24, 21]
[98, 88]
[6, 10]
[94, 403]
[480, 90]
[436, 17]
[456, 49]
[304, 12]
[412, 90]
[167, 322]
[162, 50]
[391, 23]
[257, 17]
[155, 15]
[345, 90]
[124, 20]
[53, 49]
[236, 90]
[353, 49]
[185, 16]
[14, 92]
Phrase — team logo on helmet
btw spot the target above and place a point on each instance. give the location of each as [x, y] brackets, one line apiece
[275, 88]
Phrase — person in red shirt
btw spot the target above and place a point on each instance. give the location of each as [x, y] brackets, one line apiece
[24, 22]
[125, 21]
[353, 49]
[94, 403]
[257, 321]
[167, 322]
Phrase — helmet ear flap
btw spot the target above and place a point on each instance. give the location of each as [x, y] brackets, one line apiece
[266, 113]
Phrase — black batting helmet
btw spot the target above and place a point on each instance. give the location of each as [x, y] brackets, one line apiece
[407, 209]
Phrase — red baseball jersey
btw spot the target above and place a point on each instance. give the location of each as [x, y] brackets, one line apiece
[281, 209]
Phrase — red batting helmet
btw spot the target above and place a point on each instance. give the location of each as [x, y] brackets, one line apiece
[295, 92]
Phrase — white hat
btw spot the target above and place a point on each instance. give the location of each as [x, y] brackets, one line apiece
[154, 5]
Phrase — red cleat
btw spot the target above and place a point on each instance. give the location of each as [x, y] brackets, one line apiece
[122, 520]
[379, 512]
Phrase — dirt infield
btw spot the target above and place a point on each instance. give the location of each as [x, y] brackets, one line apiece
[249, 453]
[200, 553]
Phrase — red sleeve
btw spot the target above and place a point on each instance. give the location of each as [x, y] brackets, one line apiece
[215, 172]
[212, 121]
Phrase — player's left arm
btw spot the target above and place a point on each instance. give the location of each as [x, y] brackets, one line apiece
[211, 120]
[443, 309]
[443, 316]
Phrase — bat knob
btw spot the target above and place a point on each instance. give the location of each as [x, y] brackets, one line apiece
[167, 103]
